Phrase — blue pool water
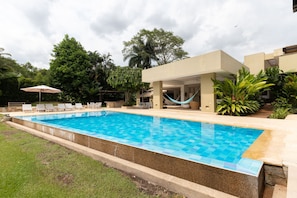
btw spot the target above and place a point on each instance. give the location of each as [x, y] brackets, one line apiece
[216, 145]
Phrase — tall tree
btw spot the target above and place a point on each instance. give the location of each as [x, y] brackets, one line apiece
[142, 54]
[166, 46]
[7, 67]
[8, 78]
[69, 69]
[101, 65]
[126, 79]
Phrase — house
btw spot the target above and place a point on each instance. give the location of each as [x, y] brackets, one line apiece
[182, 79]
[285, 58]
[187, 76]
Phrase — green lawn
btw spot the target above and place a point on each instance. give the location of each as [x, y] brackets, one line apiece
[33, 167]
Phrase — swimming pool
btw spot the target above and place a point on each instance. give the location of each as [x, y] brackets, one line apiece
[215, 145]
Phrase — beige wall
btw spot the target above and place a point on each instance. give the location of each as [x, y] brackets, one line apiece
[288, 63]
[208, 98]
[255, 62]
[230, 65]
[157, 95]
[217, 61]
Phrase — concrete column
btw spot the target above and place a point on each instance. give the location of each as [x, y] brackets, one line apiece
[158, 95]
[182, 93]
[208, 98]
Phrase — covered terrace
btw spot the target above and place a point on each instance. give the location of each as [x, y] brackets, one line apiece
[184, 78]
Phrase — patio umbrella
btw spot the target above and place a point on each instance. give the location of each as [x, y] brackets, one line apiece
[41, 89]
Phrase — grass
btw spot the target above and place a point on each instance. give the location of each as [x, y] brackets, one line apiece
[33, 167]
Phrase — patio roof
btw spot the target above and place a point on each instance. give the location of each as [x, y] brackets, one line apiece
[188, 71]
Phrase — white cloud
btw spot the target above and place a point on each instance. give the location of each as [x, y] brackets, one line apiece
[30, 29]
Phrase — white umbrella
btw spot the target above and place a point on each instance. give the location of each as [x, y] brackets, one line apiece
[41, 89]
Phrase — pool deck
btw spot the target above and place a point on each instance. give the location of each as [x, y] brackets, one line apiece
[276, 146]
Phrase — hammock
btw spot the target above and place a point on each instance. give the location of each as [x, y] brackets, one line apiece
[182, 102]
[168, 102]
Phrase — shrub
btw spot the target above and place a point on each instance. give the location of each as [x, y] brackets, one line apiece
[241, 95]
[280, 113]
[281, 103]
[229, 106]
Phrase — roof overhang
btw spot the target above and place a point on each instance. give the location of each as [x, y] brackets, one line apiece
[188, 71]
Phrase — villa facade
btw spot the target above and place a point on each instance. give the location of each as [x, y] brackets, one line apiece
[182, 79]
[285, 58]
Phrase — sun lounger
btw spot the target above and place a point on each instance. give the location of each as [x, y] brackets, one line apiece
[49, 107]
[98, 104]
[68, 106]
[61, 107]
[91, 105]
[40, 107]
[78, 106]
[26, 107]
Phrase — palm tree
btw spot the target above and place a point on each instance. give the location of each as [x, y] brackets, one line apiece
[142, 55]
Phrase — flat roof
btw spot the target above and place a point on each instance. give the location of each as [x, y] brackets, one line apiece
[188, 69]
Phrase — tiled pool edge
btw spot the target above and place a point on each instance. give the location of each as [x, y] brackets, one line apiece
[223, 180]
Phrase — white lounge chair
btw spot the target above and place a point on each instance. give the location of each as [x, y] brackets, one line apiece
[40, 107]
[78, 106]
[49, 107]
[97, 104]
[91, 105]
[68, 106]
[61, 107]
[26, 107]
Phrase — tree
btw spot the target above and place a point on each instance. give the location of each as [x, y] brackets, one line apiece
[166, 46]
[126, 79]
[240, 96]
[69, 69]
[101, 65]
[142, 55]
[7, 74]
[7, 68]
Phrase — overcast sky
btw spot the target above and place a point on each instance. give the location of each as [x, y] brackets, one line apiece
[30, 28]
